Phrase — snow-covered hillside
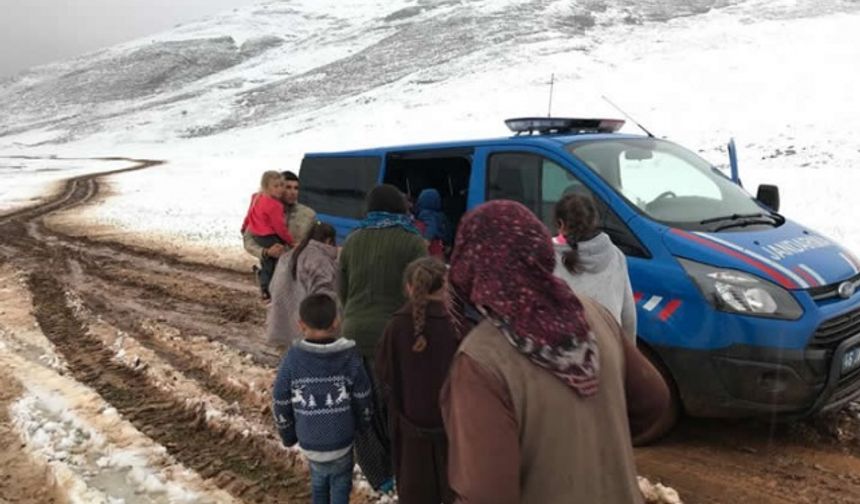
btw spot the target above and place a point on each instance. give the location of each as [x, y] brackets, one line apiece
[280, 58]
[226, 97]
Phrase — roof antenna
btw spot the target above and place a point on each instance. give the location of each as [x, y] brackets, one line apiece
[627, 116]
[551, 82]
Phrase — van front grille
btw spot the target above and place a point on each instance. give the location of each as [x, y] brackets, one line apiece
[832, 331]
[830, 291]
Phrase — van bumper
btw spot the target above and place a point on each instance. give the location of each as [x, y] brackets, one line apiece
[743, 381]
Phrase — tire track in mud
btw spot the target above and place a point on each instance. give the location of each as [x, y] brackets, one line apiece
[245, 467]
[76, 190]
[184, 361]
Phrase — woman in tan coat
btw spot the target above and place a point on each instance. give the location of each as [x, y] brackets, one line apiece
[545, 391]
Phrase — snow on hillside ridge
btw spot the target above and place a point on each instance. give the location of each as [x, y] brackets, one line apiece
[277, 58]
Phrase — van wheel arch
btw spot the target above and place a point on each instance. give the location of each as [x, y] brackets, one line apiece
[670, 418]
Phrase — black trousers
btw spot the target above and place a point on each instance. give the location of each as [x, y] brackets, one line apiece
[267, 264]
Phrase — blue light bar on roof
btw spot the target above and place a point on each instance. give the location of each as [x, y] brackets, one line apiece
[545, 125]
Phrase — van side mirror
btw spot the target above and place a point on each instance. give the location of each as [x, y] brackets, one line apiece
[768, 195]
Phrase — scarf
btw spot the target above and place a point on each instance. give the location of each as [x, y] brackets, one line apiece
[503, 264]
[382, 220]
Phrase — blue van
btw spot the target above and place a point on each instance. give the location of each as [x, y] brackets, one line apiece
[744, 311]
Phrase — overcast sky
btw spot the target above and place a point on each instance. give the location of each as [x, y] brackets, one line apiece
[33, 32]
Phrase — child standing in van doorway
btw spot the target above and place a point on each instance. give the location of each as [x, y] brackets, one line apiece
[432, 222]
[265, 222]
[412, 363]
[322, 397]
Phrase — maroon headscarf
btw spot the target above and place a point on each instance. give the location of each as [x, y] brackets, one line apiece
[502, 263]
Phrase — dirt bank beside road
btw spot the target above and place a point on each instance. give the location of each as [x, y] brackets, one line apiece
[22, 479]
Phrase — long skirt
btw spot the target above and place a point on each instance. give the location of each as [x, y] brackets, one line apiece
[373, 445]
[420, 463]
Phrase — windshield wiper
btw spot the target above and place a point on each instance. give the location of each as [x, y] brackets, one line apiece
[742, 220]
[735, 217]
[745, 223]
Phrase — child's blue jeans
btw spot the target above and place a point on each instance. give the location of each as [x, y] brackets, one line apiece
[331, 482]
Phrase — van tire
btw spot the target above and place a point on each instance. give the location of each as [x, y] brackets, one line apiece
[670, 417]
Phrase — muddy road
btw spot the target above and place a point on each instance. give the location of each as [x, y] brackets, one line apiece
[199, 330]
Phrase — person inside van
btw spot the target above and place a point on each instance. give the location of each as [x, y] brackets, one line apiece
[299, 219]
[412, 364]
[545, 392]
[371, 266]
[432, 222]
[265, 222]
[588, 261]
[310, 268]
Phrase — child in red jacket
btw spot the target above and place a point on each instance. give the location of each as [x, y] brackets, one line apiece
[265, 221]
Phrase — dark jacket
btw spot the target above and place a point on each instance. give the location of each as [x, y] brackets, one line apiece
[411, 382]
[372, 263]
[321, 396]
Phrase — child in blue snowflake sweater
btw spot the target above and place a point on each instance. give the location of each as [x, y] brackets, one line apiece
[322, 396]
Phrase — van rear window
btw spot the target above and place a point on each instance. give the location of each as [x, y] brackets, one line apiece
[337, 186]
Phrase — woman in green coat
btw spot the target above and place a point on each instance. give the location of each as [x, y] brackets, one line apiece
[372, 263]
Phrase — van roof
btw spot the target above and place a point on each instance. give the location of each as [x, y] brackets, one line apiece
[549, 141]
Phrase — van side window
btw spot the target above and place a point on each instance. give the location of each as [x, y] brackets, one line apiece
[338, 185]
[515, 176]
[540, 183]
[534, 181]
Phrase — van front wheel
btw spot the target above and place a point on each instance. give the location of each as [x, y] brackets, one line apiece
[672, 414]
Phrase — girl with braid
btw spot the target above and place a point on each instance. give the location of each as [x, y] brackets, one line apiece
[588, 261]
[412, 364]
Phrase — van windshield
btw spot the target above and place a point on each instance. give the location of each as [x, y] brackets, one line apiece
[671, 184]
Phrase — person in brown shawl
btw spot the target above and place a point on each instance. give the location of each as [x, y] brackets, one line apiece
[544, 393]
[412, 363]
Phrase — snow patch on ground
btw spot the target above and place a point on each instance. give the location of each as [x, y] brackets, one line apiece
[657, 493]
[108, 473]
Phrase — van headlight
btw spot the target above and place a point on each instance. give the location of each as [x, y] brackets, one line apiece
[734, 291]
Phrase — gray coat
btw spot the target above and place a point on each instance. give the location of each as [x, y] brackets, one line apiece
[316, 273]
[603, 277]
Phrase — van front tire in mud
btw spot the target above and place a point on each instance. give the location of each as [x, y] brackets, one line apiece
[671, 415]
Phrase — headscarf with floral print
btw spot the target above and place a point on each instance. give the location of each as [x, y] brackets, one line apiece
[502, 264]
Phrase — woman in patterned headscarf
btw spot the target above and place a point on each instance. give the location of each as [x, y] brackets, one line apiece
[545, 392]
